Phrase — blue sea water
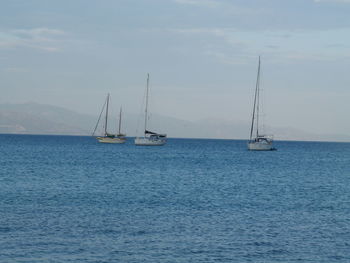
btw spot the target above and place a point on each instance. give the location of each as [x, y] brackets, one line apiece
[71, 199]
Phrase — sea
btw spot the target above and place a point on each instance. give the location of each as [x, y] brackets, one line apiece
[72, 199]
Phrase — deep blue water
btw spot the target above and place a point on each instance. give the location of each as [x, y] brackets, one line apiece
[71, 199]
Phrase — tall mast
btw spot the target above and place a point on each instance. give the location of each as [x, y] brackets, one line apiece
[255, 101]
[99, 118]
[258, 100]
[106, 121]
[146, 109]
[120, 119]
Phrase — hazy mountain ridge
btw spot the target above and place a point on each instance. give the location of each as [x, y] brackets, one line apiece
[33, 118]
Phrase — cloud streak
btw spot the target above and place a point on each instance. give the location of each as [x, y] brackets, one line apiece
[43, 39]
[233, 46]
[332, 1]
[206, 3]
[224, 7]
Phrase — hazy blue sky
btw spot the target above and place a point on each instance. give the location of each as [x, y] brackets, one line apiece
[201, 54]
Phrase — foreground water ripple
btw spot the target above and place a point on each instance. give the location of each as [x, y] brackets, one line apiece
[70, 199]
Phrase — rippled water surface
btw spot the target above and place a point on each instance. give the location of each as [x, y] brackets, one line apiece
[70, 199]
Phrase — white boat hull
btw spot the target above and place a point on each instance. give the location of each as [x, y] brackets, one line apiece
[144, 141]
[260, 146]
[111, 140]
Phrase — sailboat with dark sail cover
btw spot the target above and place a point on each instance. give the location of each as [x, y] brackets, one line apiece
[150, 138]
[109, 137]
[258, 141]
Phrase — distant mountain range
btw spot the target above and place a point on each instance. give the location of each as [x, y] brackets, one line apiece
[33, 118]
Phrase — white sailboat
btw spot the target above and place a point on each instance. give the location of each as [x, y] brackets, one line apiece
[150, 138]
[109, 137]
[258, 142]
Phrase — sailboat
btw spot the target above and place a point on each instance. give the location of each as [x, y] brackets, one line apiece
[150, 138]
[257, 141]
[109, 137]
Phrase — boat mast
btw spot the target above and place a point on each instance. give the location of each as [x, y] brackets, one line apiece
[99, 118]
[258, 104]
[255, 103]
[120, 119]
[146, 109]
[106, 121]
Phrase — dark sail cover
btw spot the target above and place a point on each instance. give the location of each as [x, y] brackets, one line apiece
[149, 132]
[109, 135]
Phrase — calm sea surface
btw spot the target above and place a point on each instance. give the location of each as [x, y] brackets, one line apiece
[70, 199]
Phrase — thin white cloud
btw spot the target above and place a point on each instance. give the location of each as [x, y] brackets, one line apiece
[201, 30]
[332, 1]
[37, 32]
[16, 70]
[238, 47]
[207, 3]
[228, 34]
[44, 39]
[227, 7]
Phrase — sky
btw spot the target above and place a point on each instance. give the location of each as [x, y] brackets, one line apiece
[202, 58]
